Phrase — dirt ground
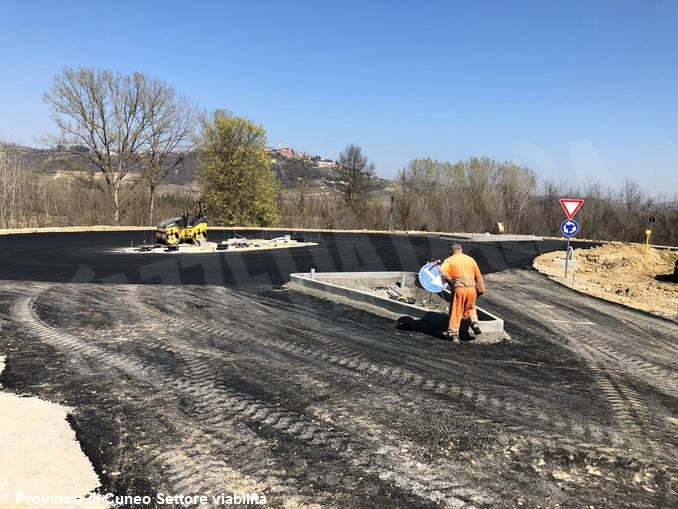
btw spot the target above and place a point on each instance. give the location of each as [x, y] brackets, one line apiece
[618, 273]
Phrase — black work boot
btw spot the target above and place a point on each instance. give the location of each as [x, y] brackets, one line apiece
[476, 328]
[452, 336]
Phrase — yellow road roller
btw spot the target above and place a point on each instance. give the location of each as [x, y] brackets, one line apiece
[183, 229]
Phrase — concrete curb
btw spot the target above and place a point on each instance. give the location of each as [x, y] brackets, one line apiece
[492, 326]
[73, 229]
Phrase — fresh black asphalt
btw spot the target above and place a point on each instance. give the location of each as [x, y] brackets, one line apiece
[91, 257]
[201, 374]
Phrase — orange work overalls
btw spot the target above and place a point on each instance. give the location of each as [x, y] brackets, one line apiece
[465, 280]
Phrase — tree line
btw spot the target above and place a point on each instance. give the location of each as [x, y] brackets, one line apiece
[476, 194]
[473, 195]
[130, 131]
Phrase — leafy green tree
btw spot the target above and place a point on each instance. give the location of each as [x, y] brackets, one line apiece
[238, 185]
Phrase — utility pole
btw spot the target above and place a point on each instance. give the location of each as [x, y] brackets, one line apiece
[390, 216]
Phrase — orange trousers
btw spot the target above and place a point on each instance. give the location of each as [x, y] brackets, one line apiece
[462, 305]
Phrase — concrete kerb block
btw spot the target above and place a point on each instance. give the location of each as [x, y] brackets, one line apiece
[312, 284]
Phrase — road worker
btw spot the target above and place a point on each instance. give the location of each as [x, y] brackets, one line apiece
[461, 272]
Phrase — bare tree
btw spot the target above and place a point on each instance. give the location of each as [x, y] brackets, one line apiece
[406, 187]
[631, 198]
[550, 208]
[481, 193]
[167, 136]
[303, 190]
[598, 217]
[420, 190]
[518, 185]
[354, 172]
[18, 189]
[10, 183]
[102, 111]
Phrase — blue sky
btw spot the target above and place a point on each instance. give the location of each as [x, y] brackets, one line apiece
[576, 90]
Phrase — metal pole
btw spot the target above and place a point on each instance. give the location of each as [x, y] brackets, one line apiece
[390, 216]
[567, 256]
[647, 243]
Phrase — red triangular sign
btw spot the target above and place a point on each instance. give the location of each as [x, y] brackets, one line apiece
[571, 206]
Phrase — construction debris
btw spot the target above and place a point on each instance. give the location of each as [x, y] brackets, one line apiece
[236, 243]
[396, 293]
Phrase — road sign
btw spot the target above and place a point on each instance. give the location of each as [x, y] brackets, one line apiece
[651, 219]
[569, 228]
[431, 279]
[571, 206]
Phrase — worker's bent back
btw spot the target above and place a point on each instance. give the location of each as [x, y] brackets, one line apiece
[462, 271]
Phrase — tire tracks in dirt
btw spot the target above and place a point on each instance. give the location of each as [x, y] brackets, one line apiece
[215, 400]
[190, 467]
[392, 377]
[610, 369]
[387, 462]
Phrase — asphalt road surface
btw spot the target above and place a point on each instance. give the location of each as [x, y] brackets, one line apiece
[201, 374]
[91, 257]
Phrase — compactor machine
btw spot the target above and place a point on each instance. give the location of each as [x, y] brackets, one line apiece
[183, 229]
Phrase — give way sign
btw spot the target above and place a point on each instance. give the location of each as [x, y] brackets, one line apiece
[571, 206]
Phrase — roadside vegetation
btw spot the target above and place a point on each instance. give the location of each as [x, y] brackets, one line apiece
[120, 138]
[237, 182]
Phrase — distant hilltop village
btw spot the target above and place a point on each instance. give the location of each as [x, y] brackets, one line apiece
[291, 166]
[288, 163]
[281, 154]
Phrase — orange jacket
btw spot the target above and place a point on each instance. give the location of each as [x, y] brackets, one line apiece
[462, 271]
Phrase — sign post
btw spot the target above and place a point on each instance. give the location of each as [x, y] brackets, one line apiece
[569, 227]
[648, 232]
